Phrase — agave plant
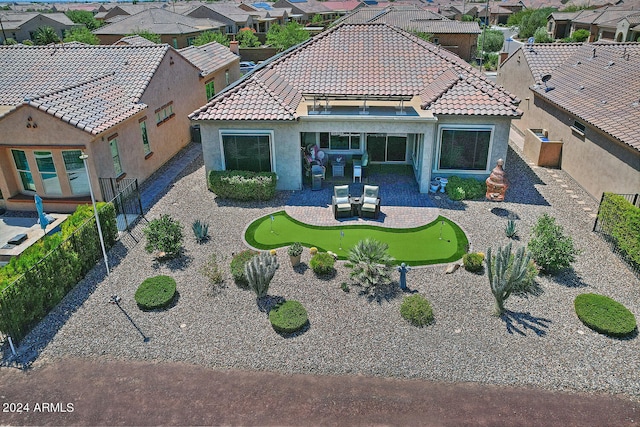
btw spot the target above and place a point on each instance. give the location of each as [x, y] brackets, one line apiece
[201, 230]
[370, 263]
[510, 229]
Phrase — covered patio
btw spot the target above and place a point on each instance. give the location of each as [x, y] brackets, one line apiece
[401, 203]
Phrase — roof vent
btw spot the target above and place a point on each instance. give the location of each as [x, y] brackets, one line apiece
[610, 64]
[593, 54]
[604, 101]
[581, 87]
[577, 63]
[461, 76]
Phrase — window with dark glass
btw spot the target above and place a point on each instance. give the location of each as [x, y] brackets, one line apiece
[247, 152]
[76, 173]
[48, 175]
[22, 166]
[464, 149]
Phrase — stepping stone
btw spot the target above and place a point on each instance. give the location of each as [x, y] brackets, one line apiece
[569, 191]
[587, 209]
[559, 180]
[452, 268]
[581, 202]
[574, 196]
[563, 185]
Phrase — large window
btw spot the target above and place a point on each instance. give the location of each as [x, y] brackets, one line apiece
[464, 149]
[344, 141]
[250, 152]
[76, 173]
[115, 156]
[145, 137]
[50, 181]
[22, 166]
[387, 148]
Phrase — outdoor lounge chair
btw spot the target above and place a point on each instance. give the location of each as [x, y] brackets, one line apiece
[370, 202]
[340, 202]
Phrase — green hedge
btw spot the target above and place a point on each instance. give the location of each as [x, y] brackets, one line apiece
[35, 282]
[604, 315]
[465, 188]
[243, 185]
[621, 220]
[417, 310]
[288, 317]
[155, 292]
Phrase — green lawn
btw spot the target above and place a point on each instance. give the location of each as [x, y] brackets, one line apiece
[414, 246]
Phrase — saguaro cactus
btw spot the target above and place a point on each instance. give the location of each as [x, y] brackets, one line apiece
[259, 271]
[503, 278]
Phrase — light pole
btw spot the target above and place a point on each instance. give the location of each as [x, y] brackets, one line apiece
[84, 157]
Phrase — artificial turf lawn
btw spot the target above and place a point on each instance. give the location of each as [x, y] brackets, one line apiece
[414, 246]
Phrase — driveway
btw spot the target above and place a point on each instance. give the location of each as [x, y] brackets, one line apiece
[138, 393]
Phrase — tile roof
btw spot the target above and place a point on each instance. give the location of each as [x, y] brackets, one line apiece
[603, 91]
[545, 57]
[134, 40]
[360, 60]
[209, 57]
[67, 80]
[159, 21]
[307, 6]
[14, 21]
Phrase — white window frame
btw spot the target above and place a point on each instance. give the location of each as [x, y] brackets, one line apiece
[248, 132]
[436, 157]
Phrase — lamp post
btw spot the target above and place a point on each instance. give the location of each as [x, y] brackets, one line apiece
[84, 157]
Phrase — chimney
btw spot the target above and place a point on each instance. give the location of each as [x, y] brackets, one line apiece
[503, 56]
[233, 47]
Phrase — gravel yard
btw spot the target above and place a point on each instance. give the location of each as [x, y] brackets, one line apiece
[539, 343]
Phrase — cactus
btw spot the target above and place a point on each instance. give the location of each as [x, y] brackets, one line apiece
[259, 271]
[201, 230]
[510, 229]
[503, 278]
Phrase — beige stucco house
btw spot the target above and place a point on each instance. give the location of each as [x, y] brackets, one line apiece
[582, 98]
[124, 106]
[356, 89]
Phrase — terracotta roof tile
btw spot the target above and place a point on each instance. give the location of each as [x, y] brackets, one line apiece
[603, 90]
[87, 86]
[209, 57]
[359, 60]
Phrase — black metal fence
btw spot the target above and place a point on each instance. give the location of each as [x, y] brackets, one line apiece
[600, 227]
[125, 196]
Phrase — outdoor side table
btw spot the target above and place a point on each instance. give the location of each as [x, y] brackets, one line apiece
[337, 168]
[356, 204]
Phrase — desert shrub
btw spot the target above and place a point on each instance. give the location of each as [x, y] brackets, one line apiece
[580, 35]
[237, 265]
[243, 185]
[370, 263]
[473, 261]
[620, 219]
[155, 292]
[465, 188]
[200, 230]
[604, 315]
[288, 317]
[541, 35]
[322, 263]
[551, 249]
[417, 310]
[164, 234]
[211, 270]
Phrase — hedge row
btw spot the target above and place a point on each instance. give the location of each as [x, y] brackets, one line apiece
[37, 280]
[243, 185]
[621, 220]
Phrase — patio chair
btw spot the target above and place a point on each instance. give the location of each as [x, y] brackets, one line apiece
[370, 202]
[340, 202]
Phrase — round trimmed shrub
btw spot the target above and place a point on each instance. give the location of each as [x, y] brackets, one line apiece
[322, 263]
[417, 310]
[237, 265]
[155, 292]
[288, 317]
[473, 261]
[604, 315]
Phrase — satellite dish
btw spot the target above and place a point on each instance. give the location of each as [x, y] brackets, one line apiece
[546, 78]
[530, 40]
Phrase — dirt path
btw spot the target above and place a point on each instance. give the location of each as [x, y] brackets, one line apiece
[133, 393]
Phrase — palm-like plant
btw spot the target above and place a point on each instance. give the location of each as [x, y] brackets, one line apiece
[45, 35]
[370, 263]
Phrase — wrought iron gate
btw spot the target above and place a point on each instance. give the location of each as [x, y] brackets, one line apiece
[125, 196]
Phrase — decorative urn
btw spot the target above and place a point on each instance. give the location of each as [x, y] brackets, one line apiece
[497, 183]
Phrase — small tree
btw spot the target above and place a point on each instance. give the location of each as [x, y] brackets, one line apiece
[247, 38]
[82, 35]
[490, 40]
[45, 35]
[211, 36]
[284, 37]
[153, 37]
[259, 271]
[506, 275]
[580, 35]
[83, 17]
[541, 36]
[551, 249]
[164, 234]
[370, 263]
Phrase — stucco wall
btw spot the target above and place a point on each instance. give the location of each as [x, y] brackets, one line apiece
[32, 26]
[463, 45]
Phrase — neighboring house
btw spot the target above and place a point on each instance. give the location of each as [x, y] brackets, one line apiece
[218, 66]
[357, 88]
[23, 26]
[303, 11]
[134, 40]
[124, 106]
[458, 37]
[174, 29]
[590, 103]
[230, 14]
[628, 28]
